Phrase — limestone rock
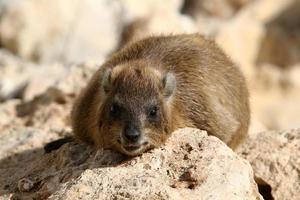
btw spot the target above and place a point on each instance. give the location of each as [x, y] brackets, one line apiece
[281, 44]
[26, 80]
[274, 90]
[13, 76]
[274, 157]
[20, 150]
[277, 110]
[262, 31]
[69, 79]
[54, 30]
[293, 75]
[157, 24]
[138, 9]
[213, 8]
[150, 17]
[8, 115]
[236, 37]
[191, 166]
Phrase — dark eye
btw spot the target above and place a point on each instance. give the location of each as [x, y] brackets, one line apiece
[153, 112]
[115, 110]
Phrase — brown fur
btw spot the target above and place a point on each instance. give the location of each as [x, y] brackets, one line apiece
[210, 94]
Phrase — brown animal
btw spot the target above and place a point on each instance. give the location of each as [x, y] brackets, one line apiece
[152, 87]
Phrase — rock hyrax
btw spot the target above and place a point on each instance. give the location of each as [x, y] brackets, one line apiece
[152, 87]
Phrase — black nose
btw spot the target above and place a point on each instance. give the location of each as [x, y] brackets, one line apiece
[131, 135]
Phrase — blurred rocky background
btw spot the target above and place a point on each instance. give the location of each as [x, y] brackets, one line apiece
[50, 48]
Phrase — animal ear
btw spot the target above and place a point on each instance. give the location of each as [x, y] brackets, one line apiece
[169, 84]
[106, 80]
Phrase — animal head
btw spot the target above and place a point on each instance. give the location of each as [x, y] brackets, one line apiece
[136, 108]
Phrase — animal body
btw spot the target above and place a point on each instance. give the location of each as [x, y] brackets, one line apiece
[154, 86]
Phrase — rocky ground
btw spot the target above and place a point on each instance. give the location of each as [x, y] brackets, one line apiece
[50, 48]
[189, 166]
[274, 157]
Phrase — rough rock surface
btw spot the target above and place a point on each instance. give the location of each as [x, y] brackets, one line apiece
[190, 166]
[42, 42]
[71, 31]
[274, 26]
[275, 159]
[255, 34]
[13, 76]
[26, 80]
[213, 8]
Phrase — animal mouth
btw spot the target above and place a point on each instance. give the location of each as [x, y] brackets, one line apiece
[132, 147]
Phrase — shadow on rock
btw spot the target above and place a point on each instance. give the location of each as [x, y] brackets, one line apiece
[35, 174]
[190, 164]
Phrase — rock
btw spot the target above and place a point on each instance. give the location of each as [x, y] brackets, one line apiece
[281, 44]
[38, 81]
[190, 165]
[255, 126]
[265, 10]
[51, 108]
[293, 75]
[54, 30]
[76, 77]
[26, 80]
[157, 24]
[140, 9]
[213, 8]
[25, 185]
[269, 110]
[245, 37]
[240, 38]
[276, 88]
[46, 111]
[262, 40]
[20, 149]
[151, 18]
[274, 157]
[8, 115]
[69, 79]
[13, 79]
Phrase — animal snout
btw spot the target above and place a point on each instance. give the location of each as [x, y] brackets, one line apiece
[131, 135]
